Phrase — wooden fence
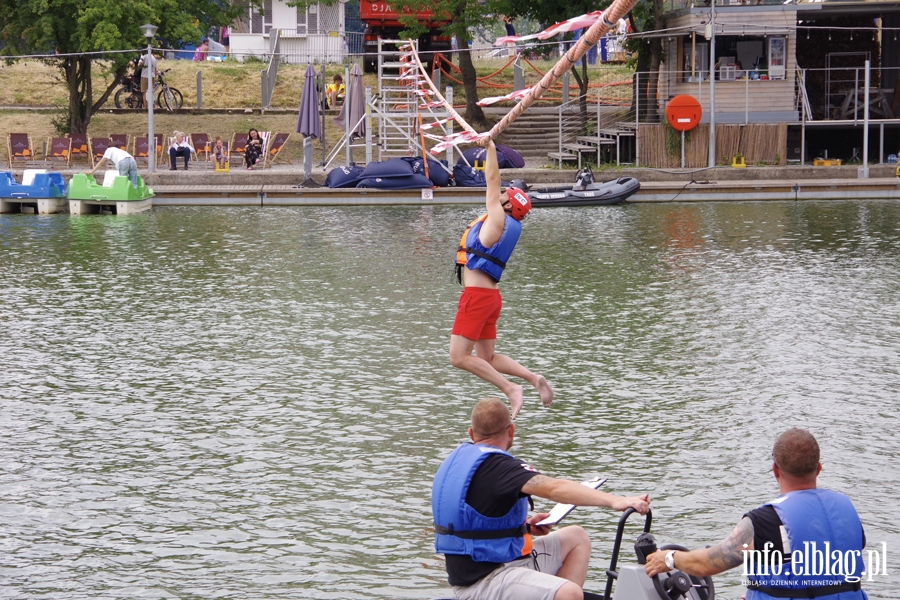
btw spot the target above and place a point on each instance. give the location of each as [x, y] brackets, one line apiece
[758, 143]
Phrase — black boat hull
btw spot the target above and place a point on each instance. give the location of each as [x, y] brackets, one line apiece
[595, 194]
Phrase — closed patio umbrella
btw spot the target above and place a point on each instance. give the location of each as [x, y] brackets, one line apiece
[354, 108]
[309, 124]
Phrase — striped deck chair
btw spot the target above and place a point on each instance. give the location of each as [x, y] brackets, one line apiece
[201, 144]
[18, 149]
[79, 147]
[276, 144]
[236, 148]
[119, 140]
[60, 150]
[98, 148]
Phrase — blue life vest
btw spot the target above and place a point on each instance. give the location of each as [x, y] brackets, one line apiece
[459, 528]
[822, 528]
[492, 260]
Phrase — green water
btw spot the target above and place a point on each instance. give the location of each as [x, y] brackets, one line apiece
[251, 403]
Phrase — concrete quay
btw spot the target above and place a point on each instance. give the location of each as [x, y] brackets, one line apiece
[276, 187]
[281, 186]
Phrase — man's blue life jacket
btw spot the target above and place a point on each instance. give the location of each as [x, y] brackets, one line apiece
[459, 528]
[492, 260]
[823, 542]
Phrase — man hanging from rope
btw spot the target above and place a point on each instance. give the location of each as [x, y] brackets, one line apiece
[484, 249]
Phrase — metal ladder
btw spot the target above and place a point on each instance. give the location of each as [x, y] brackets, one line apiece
[397, 109]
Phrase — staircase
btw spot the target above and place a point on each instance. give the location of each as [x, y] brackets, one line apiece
[536, 132]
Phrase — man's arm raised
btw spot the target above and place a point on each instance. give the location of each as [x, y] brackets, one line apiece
[493, 226]
[572, 492]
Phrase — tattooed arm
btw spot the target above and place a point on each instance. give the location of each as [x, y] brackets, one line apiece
[725, 555]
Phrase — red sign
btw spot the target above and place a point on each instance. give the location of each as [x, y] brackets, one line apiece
[683, 112]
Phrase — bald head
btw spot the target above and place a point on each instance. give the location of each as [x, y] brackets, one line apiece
[490, 417]
[796, 453]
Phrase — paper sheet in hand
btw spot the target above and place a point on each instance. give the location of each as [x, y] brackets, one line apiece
[561, 510]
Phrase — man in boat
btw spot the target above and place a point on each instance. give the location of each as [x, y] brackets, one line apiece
[480, 501]
[484, 250]
[781, 538]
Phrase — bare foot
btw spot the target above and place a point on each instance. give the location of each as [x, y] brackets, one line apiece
[516, 400]
[544, 390]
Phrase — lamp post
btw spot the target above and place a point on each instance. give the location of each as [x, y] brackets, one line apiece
[149, 32]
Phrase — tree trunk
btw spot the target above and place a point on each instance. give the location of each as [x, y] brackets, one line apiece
[77, 73]
[651, 102]
[582, 80]
[473, 115]
[656, 51]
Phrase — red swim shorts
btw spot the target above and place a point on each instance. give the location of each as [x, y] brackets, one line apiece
[476, 317]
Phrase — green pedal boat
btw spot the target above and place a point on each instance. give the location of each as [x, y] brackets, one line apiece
[115, 188]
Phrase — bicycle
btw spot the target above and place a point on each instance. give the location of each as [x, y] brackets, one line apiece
[131, 96]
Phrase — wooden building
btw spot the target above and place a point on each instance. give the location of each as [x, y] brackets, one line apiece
[755, 53]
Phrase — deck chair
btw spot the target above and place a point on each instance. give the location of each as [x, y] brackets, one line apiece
[18, 148]
[162, 154]
[276, 145]
[236, 148]
[98, 148]
[60, 150]
[79, 147]
[119, 140]
[202, 145]
[140, 149]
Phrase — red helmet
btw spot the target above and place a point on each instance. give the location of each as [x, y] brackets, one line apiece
[519, 201]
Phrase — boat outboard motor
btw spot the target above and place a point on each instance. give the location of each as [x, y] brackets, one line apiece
[520, 184]
[583, 178]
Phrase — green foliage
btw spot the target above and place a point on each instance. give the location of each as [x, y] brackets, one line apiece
[673, 139]
[67, 30]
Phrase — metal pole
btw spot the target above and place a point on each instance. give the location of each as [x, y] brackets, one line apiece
[712, 84]
[151, 136]
[322, 112]
[199, 90]
[803, 136]
[347, 125]
[864, 174]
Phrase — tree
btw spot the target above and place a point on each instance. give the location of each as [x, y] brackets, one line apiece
[548, 12]
[648, 15]
[463, 16]
[72, 34]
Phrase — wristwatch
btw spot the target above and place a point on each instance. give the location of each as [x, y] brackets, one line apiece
[670, 559]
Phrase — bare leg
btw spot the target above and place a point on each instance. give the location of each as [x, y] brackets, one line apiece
[575, 547]
[505, 364]
[461, 357]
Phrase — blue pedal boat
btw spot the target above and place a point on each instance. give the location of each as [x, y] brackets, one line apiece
[36, 184]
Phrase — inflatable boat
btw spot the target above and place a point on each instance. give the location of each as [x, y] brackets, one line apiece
[36, 184]
[115, 187]
[583, 193]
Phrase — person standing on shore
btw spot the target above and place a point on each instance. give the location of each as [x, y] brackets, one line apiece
[484, 250]
[149, 72]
